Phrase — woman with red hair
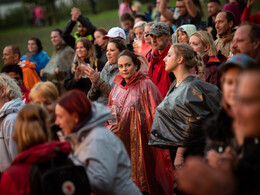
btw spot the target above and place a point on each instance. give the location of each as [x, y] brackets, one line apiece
[103, 154]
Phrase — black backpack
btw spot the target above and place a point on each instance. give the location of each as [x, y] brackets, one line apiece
[58, 176]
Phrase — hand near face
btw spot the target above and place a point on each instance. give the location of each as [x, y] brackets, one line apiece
[92, 74]
[75, 13]
[250, 3]
[79, 71]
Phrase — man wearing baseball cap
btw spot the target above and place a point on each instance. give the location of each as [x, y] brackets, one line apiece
[161, 39]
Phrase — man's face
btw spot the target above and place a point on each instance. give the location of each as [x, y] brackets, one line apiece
[223, 27]
[82, 29]
[247, 112]
[181, 8]
[56, 39]
[213, 8]
[242, 43]
[8, 56]
[161, 42]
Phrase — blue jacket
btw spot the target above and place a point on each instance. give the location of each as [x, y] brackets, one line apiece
[40, 59]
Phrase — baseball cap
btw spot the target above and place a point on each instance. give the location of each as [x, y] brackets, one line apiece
[240, 60]
[115, 32]
[159, 29]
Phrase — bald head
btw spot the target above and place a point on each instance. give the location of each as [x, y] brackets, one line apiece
[11, 54]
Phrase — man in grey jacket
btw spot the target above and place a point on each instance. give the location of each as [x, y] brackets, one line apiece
[10, 104]
[60, 62]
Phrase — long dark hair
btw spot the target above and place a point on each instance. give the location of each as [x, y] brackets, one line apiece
[38, 43]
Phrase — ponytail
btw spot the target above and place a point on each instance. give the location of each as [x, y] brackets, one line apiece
[200, 65]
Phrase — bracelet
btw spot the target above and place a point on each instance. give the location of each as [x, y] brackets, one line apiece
[179, 154]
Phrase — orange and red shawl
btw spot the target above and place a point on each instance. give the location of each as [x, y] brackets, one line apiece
[136, 104]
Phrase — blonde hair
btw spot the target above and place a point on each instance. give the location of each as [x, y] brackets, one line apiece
[206, 39]
[140, 24]
[191, 59]
[45, 89]
[149, 24]
[30, 127]
[91, 53]
[12, 90]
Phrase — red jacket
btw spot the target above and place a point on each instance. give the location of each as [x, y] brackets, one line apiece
[246, 16]
[135, 105]
[15, 179]
[211, 72]
[157, 71]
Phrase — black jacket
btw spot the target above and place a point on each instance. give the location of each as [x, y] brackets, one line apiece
[69, 39]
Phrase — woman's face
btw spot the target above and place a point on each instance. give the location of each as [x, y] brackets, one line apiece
[147, 39]
[65, 120]
[182, 37]
[81, 50]
[230, 78]
[112, 53]
[99, 39]
[48, 104]
[126, 67]
[139, 33]
[32, 47]
[197, 45]
[170, 60]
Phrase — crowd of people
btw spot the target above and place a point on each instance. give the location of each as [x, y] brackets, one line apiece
[164, 104]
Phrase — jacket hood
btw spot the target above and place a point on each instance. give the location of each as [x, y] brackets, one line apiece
[11, 107]
[42, 152]
[136, 78]
[26, 64]
[99, 115]
[188, 28]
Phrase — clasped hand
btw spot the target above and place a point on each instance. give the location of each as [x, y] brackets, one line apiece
[89, 72]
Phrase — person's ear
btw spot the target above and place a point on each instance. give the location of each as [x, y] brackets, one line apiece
[256, 44]
[231, 23]
[180, 59]
[16, 57]
[75, 117]
[206, 48]
[3, 92]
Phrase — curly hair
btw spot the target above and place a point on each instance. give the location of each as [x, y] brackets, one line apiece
[12, 90]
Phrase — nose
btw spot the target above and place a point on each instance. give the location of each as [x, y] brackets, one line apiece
[165, 59]
[56, 122]
[154, 39]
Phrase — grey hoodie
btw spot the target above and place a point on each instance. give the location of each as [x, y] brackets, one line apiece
[103, 155]
[8, 114]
